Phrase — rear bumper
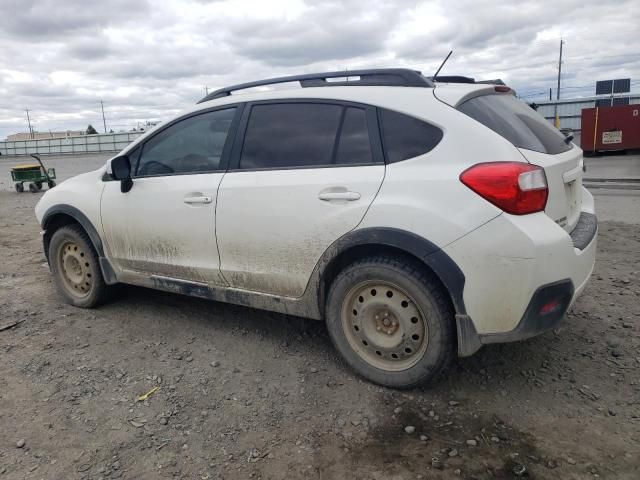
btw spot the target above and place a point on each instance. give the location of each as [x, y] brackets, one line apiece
[538, 318]
[513, 266]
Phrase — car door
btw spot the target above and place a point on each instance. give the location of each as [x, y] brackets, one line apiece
[303, 174]
[165, 225]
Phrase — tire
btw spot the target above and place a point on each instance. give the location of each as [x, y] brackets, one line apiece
[19, 187]
[418, 328]
[75, 267]
[39, 185]
[33, 188]
[51, 183]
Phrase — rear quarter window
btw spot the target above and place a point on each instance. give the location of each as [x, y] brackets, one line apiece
[517, 122]
[406, 137]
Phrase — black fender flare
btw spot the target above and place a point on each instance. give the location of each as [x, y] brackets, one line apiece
[67, 210]
[79, 217]
[427, 252]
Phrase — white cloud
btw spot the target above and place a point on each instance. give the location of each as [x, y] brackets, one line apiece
[149, 59]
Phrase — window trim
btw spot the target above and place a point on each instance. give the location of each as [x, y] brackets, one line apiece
[372, 127]
[226, 149]
[336, 141]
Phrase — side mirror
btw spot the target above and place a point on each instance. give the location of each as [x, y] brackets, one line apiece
[121, 170]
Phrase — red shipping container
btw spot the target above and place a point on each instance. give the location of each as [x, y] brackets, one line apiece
[614, 128]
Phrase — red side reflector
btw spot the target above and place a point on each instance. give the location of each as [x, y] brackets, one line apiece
[517, 188]
[502, 89]
[550, 307]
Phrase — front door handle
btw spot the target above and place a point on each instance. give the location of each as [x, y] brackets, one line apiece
[198, 199]
[348, 196]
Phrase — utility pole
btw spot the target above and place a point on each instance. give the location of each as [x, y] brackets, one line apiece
[29, 122]
[206, 90]
[556, 119]
[104, 122]
[559, 70]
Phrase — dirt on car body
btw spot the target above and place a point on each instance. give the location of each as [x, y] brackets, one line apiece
[251, 394]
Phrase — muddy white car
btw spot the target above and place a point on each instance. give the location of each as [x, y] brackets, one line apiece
[419, 219]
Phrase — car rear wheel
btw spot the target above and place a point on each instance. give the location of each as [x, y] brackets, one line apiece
[75, 267]
[391, 321]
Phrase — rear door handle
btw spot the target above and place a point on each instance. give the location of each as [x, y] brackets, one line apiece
[348, 196]
[198, 199]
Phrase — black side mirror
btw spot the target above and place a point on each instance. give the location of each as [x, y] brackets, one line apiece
[121, 170]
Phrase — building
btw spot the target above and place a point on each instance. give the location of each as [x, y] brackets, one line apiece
[570, 109]
[43, 135]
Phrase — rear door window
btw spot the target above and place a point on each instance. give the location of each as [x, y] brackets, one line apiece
[290, 135]
[407, 137]
[517, 122]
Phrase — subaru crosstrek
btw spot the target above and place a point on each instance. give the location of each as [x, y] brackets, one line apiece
[418, 218]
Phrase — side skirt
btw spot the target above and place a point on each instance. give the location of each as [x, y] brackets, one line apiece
[304, 306]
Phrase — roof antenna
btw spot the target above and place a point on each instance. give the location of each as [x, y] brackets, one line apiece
[441, 65]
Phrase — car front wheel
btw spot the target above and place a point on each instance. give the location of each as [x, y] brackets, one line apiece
[391, 321]
[75, 267]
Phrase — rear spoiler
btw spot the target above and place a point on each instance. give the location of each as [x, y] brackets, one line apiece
[454, 95]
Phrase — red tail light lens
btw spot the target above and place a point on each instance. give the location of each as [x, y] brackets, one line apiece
[516, 188]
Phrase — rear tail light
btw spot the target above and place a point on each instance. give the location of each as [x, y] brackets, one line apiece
[516, 188]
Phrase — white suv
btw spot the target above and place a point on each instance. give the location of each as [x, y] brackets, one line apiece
[417, 218]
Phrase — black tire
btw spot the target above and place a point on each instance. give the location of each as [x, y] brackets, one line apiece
[33, 188]
[51, 183]
[39, 185]
[19, 187]
[425, 295]
[70, 289]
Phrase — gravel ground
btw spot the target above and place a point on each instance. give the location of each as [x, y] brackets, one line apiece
[243, 393]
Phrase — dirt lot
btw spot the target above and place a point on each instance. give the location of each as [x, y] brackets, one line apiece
[248, 394]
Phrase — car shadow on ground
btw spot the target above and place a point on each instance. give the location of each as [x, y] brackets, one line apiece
[497, 361]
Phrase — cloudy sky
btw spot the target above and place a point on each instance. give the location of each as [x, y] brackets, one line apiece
[149, 59]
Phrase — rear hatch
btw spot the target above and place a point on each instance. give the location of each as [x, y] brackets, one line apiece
[539, 143]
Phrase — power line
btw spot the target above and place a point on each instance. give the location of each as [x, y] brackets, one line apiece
[541, 64]
[605, 56]
[577, 36]
[527, 93]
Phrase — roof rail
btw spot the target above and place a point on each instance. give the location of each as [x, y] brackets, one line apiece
[399, 77]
